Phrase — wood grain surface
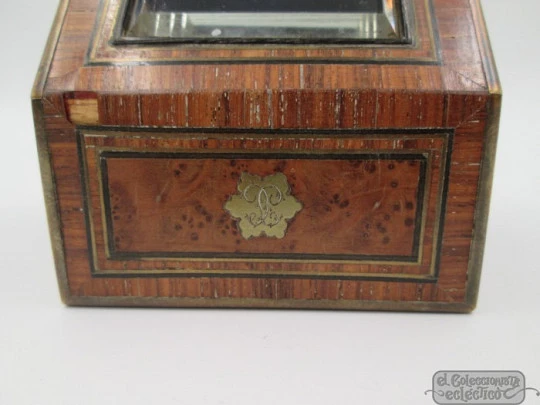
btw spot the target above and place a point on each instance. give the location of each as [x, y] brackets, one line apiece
[382, 208]
[92, 98]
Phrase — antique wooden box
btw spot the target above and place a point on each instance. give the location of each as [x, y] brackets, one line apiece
[331, 154]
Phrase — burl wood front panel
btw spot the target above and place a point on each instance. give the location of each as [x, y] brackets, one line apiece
[372, 203]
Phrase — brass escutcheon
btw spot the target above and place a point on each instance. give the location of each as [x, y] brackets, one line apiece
[263, 205]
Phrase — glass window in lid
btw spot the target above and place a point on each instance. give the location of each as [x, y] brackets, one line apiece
[263, 21]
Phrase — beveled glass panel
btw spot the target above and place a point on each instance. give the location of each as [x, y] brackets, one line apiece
[264, 21]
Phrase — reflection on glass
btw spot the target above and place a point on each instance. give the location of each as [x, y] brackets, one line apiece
[287, 21]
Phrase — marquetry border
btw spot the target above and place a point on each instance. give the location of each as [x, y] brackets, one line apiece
[431, 277]
[421, 48]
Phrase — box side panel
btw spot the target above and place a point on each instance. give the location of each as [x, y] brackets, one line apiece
[51, 198]
[484, 196]
[42, 107]
[466, 117]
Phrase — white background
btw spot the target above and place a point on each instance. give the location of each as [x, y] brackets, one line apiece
[50, 354]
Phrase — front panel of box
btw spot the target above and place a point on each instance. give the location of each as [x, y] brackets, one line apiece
[334, 205]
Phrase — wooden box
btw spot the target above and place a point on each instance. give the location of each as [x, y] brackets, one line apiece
[266, 173]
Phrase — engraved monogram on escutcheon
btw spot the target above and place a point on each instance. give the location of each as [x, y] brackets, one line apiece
[263, 205]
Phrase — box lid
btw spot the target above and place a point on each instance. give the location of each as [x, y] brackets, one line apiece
[443, 49]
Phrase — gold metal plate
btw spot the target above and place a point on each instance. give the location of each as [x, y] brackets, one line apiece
[263, 205]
